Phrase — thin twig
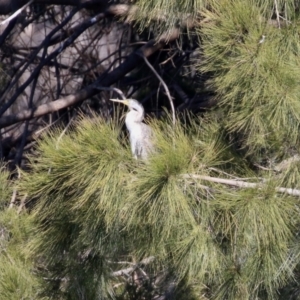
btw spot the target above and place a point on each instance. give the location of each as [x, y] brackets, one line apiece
[230, 175]
[13, 198]
[63, 133]
[262, 168]
[165, 87]
[126, 271]
[106, 79]
[286, 163]
[169, 58]
[242, 184]
[121, 262]
[26, 63]
[277, 13]
[22, 203]
[287, 21]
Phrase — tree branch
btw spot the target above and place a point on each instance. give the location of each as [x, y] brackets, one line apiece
[126, 271]
[86, 24]
[165, 87]
[16, 13]
[242, 184]
[26, 63]
[9, 6]
[113, 10]
[133, 60]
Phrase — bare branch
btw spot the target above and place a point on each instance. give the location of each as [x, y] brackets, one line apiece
[277, 13]
[129, 64]
[26, 63]
[165, 87]
[15, 14]
[13, 198]
[112, 10]
[22, 203]
[127, 271]
[285, 164]
[54, 54]
[242, 184]
[8, 6]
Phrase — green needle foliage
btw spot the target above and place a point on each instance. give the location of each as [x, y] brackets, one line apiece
[5, 188]
[78, 179]
[166, 14]
[17, 276]
[17, 279]
[262, 232]
[256, 82]
[201, 215]
[95, 208]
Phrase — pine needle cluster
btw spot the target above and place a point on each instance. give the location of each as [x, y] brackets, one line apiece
[165, 15]
[78, 180]
[17, 279]
[95, 208]
[255, 67]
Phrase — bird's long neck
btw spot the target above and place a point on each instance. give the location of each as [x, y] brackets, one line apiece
[136, 112]
[133, 118]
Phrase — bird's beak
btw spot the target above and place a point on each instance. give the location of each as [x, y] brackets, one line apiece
[120, 101]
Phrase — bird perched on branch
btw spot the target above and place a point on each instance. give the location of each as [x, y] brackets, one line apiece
[139, 133]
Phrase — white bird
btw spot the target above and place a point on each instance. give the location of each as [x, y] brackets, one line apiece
[263, 37]
[139, 133]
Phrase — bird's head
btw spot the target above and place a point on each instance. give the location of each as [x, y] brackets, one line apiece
[131, 103]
